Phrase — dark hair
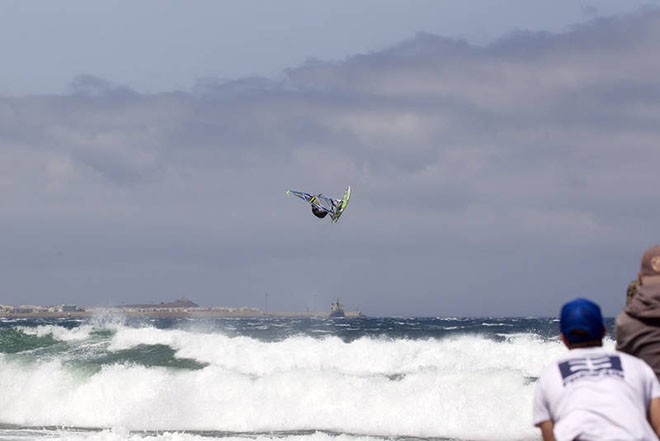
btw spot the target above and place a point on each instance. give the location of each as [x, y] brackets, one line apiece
[576, 337]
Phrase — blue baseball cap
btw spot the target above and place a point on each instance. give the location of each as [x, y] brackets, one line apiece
[584, 316]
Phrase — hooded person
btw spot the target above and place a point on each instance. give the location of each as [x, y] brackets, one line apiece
[594, 393]
[637, 327]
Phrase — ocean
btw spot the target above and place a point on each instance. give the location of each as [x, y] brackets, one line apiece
[111, 378]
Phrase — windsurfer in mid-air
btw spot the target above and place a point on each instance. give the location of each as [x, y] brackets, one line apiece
[323, 205]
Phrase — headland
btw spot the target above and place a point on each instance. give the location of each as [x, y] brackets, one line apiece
[179, 308]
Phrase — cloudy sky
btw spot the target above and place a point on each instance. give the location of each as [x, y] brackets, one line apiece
[502, 160]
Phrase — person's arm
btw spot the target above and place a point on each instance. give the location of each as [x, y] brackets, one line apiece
[546, 430]
[654, 415]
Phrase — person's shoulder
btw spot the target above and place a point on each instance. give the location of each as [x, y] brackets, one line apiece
[551, 371]
[625, 327]
[636, 362]
[623, 315]
[628, 358]
[624, 318]
[548, 378]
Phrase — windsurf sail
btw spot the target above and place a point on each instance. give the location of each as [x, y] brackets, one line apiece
[321, 202]
[341, 206]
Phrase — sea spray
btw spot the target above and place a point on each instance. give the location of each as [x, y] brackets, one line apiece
[424, 378]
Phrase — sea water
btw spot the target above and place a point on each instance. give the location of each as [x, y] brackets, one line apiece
[289, 379]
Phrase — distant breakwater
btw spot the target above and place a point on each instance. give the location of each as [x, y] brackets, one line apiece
[210, 313]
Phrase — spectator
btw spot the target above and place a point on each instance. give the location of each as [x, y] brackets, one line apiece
[638, 325]
[592, 393]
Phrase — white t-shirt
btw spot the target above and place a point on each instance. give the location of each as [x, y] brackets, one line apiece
[596, 394]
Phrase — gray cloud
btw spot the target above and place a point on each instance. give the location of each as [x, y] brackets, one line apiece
[488, 180]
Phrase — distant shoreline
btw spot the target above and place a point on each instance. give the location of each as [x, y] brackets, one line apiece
[172, 314]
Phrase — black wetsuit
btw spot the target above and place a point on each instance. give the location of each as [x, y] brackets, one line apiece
[318, 212]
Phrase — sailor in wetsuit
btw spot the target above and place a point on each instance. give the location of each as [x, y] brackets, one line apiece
[320, 211]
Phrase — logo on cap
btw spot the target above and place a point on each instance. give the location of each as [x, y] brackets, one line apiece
[655, 264]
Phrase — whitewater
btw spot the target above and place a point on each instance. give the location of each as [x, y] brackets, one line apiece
[113, 378]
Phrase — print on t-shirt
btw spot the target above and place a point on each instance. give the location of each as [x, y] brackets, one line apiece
[589, 367]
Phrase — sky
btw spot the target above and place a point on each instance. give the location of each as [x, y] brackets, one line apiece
[503, 156]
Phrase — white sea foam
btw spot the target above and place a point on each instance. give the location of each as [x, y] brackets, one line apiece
[125, 435]
[58, 332]
[464, 387]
